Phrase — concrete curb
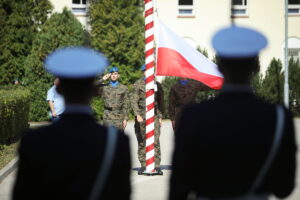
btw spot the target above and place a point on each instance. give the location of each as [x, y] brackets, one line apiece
[4, 172]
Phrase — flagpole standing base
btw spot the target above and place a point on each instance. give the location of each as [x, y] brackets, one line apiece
[155, 173]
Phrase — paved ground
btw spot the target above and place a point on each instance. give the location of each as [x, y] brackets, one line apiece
[144, 187]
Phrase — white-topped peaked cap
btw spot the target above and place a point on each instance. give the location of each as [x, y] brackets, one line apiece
[238, 42]
[76, 63]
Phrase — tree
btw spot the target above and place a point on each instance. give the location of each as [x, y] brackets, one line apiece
[118, 32]
[205, 95]
[19, 23]
[167, 84]
[294, 86]
[272, 84]
[257, 84]
[60, 30]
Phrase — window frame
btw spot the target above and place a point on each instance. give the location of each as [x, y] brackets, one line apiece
[186, 7]
[80, 2]
[243, 7]
[295, 57]
[294, 6]
[81, 9]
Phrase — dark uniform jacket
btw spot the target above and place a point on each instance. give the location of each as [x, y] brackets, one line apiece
[182, 95]
[222, 144]
[61, 161]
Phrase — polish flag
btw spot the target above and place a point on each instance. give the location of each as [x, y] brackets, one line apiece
[175, 57]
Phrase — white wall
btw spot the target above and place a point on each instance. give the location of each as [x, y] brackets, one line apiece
[58, 6]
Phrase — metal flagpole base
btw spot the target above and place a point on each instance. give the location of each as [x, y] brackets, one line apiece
[154, 173]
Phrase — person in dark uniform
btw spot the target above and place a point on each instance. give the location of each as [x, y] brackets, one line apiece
[222, 145]
[182, 94]
[63, 160]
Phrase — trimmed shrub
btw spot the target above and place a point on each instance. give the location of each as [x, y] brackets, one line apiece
[14, 111]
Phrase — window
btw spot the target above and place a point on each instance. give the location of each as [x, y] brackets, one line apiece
[79, 1]
[294, 52]
[185, 8]
[79, 7]
[293, 48]
[294, 7]
[239, 8]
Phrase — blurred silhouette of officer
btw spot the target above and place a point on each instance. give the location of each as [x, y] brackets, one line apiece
[73, 158]
[235, 146]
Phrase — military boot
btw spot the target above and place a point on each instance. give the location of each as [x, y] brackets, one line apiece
[158, 170]
[141, 170]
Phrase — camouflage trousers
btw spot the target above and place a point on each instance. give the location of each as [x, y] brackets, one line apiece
[114, 122]
[140, 132]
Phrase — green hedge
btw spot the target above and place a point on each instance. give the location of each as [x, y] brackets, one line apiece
[14, 110]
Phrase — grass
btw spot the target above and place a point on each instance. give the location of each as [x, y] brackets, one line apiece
[8, 153]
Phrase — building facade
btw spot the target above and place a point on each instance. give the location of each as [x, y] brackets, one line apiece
[197, 20]
[78, 7]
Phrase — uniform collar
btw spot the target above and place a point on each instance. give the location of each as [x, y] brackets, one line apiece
[183, 82]
[114, 83]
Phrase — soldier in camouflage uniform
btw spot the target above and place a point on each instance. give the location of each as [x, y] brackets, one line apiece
[183, 93]
[138, 104]
[116, 100]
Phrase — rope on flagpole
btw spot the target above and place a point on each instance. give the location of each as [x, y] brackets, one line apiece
[149, 61]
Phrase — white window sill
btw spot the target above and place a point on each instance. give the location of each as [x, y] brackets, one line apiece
[240, 16]
[186, 16]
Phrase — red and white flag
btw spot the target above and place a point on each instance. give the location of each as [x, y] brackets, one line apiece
[175, 57]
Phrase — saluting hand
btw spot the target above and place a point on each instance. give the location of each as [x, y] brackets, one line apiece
[106, 76]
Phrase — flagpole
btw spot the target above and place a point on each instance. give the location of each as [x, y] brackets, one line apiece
[286, 67]
[149, 61]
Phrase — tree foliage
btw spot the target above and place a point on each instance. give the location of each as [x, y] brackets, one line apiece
[294, 86]
[19, 23]
[272, 84]
[167, 84]
[205, 95]
[60, 30]
[118, 32]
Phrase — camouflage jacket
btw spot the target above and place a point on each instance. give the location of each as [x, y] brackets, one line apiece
[116, 101]
[182, 95]
[138, 101]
